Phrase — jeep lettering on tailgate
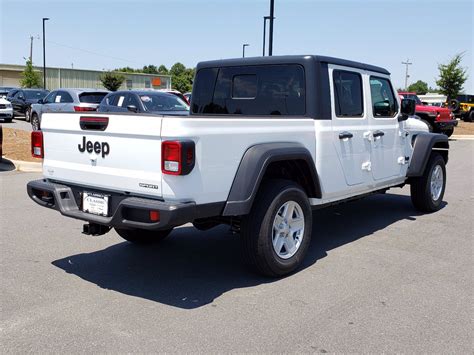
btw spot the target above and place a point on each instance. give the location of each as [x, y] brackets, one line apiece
[96, 147]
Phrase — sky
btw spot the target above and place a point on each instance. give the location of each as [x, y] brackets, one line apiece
[108, 34]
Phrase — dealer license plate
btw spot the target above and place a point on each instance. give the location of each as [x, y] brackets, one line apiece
[95, 203]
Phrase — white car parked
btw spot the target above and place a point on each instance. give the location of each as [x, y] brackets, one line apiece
[6, 110]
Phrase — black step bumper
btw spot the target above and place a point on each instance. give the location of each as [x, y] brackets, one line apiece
[444, 125]
[124, 211]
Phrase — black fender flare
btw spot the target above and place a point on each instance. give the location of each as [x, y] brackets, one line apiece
[422, 147]
[252, 169]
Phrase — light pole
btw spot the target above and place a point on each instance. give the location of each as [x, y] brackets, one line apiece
[265, 18]
[243, 49]
[44, 53]
[270, 39]
[407, 63]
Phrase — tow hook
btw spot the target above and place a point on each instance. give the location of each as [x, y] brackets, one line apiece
[94, 229]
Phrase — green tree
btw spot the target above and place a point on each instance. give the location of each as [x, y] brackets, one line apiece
[126, 70]
[452, 77]
[177, 69]
[30, 77]
[181, 77]
[162, 69]
[150, 69]
[420, 87]
[112, 80]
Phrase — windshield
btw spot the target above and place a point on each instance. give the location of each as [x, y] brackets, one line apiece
[35, 94]
[154, 102]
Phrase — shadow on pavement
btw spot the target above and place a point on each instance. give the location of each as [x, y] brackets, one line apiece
[192, 268]
[6, 165]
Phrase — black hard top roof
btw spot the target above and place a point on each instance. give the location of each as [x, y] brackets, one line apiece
[287, 59]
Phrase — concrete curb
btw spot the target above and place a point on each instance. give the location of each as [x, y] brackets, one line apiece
[462, 136]
[24, 166]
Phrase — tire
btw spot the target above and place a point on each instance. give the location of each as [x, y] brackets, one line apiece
[469, 117]
[35, 124]
[28, 115]
[142, 236]
[259, 229]
[454, 105]
[425, 195]
[430, 126]
[449, 132]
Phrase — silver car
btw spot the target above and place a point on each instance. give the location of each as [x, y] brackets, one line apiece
[66, 100]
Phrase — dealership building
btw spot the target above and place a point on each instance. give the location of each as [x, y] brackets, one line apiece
[10, 75]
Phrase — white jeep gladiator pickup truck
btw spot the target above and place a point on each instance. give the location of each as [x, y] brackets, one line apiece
[267, 140]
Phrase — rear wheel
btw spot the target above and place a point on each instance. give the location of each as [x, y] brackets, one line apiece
[142, 236]
[35, 124]
[427, 191]
[276, 233]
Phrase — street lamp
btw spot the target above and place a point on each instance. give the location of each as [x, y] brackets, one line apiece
[265, 18]
[270, 39]
[44, 53]
[243, 49]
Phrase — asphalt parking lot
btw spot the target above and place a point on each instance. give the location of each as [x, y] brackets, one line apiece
[379, 277]
[18, 123]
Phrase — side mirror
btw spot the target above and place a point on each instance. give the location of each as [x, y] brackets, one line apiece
[408, 107]
[132, 108]
[41, 101]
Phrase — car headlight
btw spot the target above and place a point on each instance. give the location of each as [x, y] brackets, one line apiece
[8, 105]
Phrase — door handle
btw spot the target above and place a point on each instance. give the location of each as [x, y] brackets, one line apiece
[378, 134]
[345, 134]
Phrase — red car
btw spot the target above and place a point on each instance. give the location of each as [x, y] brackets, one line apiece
[438, 119]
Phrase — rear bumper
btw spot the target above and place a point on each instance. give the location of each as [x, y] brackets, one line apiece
[124, 211]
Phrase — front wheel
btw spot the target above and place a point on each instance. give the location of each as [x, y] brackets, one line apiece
[449, 132]
[27, 115]
[427, 191]
[142, 236]
[430, 126]
[469, 117]
[276, 233]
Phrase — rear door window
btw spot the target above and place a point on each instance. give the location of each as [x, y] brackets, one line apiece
[348, 97]
[251, 90]
[63, 97]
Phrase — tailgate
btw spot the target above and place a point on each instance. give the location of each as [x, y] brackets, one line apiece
[106, 151]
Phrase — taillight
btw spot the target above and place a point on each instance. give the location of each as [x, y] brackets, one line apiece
[83, 109]
[37, 150]
[177, 157]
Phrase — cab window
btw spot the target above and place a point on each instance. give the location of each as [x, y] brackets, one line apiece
[384, 103]
[251, 90]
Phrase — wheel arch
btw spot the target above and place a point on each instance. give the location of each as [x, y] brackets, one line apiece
[270, 160]
[423, 146]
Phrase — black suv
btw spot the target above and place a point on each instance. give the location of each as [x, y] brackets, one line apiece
[21, 99]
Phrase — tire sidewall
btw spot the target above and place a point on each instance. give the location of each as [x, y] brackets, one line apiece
[34, 120]
[435, 161]
[278, 265]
